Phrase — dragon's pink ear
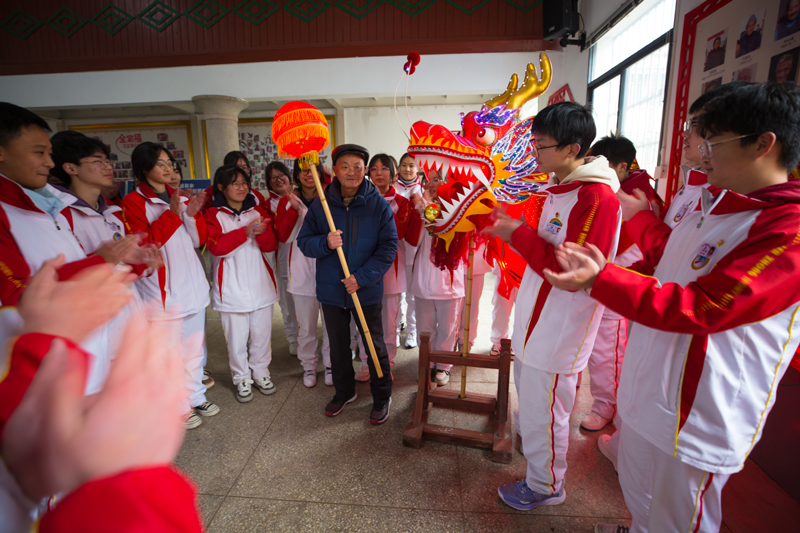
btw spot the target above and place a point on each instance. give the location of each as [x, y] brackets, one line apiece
[413, 61]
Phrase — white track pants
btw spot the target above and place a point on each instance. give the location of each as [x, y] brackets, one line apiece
[605, 362]
[545, 403]
[664, 494]
[477, 291]
[440, 318]
[257, 327]
[286, 302]
[408, 308]
[502, 313]
[390, 314]
[308, 315]
[193, 363]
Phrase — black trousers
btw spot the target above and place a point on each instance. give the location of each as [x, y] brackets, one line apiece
[337, 325]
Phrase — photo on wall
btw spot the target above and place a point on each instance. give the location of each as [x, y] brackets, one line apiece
[711, 84]
[715, 50]
[747, 73]
[788, 19]
[783, 66]
[750, 32]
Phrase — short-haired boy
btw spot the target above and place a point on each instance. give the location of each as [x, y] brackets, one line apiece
[553, 329]
[715, 312]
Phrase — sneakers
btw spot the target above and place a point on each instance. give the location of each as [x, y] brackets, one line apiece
[411, 341]
[265, 386]
[520, 496]
[495, 351]
[594, 422]
[309, 378]
[192, 420]
[208, 381]
[442, 378]
[293, 348]
[328, 376]
[610, 528]
[244, 393]
[402, 326]
[363, 372]
[207, 409]
[380, 412]
[606, 450]
[336, 405]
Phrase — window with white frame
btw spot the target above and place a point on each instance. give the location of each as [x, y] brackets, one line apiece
[628, 69]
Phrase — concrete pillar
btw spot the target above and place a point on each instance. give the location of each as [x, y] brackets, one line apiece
[221, 116]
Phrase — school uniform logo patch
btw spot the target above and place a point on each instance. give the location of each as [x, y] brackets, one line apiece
[703, 256]
[554, 226]
[682, 212]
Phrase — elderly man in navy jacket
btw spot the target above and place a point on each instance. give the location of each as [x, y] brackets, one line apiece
[367, 232]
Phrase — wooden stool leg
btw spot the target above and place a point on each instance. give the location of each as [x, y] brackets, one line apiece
[413, 434]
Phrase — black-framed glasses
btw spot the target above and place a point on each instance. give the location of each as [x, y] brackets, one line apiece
[540, 148]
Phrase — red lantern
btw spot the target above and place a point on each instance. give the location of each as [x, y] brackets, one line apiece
[299, 128]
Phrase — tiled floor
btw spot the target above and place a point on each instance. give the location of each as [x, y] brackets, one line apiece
[279, 464]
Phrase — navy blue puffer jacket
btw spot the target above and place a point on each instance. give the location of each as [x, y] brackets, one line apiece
[369, 238]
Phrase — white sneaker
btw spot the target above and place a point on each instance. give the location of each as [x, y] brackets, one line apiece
[363, 372]
[442, 378]
[244, 393]
[328, 376]
[192, 420]
[594, 422]
[207, 409]
[411, 340]
[293, 348]
[606, 450]
[265, 386]
[309, 378]
[495, 351]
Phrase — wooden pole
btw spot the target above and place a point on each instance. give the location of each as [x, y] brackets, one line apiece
[467, 310]
[311, 159]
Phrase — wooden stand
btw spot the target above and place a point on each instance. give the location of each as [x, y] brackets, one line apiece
[428, 395]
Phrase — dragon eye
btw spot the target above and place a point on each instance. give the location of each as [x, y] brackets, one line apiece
[485, 136]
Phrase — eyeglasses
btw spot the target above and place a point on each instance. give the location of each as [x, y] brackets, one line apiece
[279, 177]
[164, 165]
[240, 185]
[705, 149]
[375, 169]
[99, 162]
[540, 148]
[689, 124]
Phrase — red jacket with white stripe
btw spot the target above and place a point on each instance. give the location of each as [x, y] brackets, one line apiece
[408, 231]
[716, 326]
[628, 252]
[179, 288]
[555, 330]
[243, 280]
[406, 191]
[302, 270]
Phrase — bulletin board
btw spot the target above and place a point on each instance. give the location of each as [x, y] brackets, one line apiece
[123, 138]
[729, 40]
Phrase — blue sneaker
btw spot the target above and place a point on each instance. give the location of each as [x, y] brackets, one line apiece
[520, 496]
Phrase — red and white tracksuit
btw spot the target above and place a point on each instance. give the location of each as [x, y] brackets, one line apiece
[554, 330]
[479, 269]
[437, 294]
[281, 263]
[179, 290]
[407, 307]
[605, 363]
[28, 238]
[157, 498]
[502, 310]
[409, 225]
[244, 287]
[303, 287]
[93, 227]
[716, 329]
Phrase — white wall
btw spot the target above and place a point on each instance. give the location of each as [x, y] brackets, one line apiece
[376, 128]
[571, 66]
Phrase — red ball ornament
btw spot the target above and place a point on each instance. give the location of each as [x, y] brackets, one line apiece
[411, 64]
[299, 128]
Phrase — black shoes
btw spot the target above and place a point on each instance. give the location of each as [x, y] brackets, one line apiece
[336, 405]
[380, 412]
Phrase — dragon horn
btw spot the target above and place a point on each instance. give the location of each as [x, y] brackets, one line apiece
[503, 98]
[532, 86]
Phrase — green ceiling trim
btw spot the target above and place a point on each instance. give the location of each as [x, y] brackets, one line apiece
[524, 5]
[477, 4]
[360, 8]
[158, 16]
[206, 13]
[413, 8]
[20, 24]
[66, 22]
[111, 19]
[306, 10]
[255, 11]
